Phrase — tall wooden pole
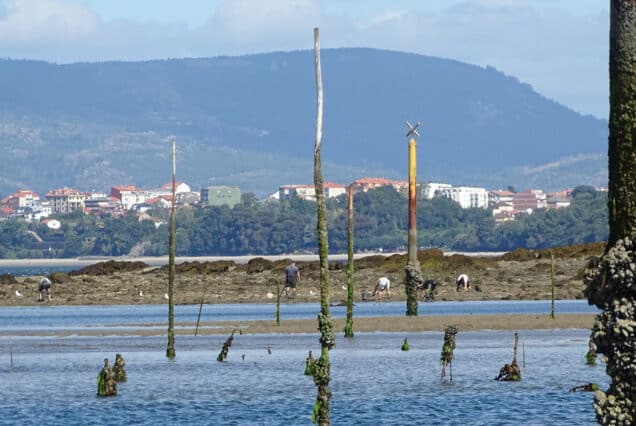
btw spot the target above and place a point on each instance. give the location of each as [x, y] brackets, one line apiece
[348, 330]
[325, 323]
[413, 271]
[170, 352]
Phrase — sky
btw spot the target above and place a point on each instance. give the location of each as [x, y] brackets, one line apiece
[560, 47]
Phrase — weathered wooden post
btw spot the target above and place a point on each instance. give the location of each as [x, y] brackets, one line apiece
[348, 330]
[413, 270]
[170, 351]
[322, 367]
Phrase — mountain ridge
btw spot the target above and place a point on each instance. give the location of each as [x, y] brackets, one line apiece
[250, 121]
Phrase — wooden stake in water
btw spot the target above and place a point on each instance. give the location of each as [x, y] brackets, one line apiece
[11, 351]
[523, 348]
[552, 285]
[196, 330]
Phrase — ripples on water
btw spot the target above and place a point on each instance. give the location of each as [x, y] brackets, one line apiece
[53, 380]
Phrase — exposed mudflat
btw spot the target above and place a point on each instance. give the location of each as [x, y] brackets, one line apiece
[519, 275]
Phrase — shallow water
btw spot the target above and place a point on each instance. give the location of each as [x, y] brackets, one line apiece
[64, 318]
[53, 380]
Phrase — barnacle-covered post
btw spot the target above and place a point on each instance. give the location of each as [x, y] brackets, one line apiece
[590, 356]
[348, 330]
[322, 366]
[309, 365]
[448, 348]
[413, 270]
[611, 285]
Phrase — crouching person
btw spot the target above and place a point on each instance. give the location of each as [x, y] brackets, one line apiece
[383, 286]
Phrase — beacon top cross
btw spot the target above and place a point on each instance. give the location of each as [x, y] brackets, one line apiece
[412, 129]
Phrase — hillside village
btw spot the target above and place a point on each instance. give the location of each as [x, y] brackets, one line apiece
[26, 205]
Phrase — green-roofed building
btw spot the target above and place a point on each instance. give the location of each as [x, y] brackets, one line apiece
[220, 196]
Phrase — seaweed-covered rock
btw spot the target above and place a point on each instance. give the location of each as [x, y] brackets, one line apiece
[109, 267]
[258, 264]
[59, 278]
[8, 279]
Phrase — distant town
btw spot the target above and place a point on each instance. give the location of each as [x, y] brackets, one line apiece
[24, 204]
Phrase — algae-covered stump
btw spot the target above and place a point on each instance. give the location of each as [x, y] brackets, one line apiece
[511, 372]
[448, 348]
[119, 371]
[106, 384]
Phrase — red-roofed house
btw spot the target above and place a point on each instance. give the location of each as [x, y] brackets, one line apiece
[22, 198]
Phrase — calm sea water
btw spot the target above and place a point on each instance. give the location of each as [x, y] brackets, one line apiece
[47, 318]
[53, 380]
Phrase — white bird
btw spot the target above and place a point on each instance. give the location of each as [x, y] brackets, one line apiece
[269, 295]
[344, 287]
[141, 294]
[312, 293]
[165, 296]
[18, 294]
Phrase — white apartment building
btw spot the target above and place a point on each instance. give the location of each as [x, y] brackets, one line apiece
[466, 196]
[432, 188]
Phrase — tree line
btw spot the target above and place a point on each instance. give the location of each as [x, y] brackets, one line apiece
[289, 226]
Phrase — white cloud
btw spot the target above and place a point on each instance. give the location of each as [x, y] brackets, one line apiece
[36, 21]
[262, 25]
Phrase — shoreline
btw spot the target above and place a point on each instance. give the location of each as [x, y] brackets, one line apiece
[421, 323]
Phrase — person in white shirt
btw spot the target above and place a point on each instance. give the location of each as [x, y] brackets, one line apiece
[382, 287]
[463, 281]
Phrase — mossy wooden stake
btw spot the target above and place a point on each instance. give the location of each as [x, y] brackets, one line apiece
[448, 348]
[348, 330]
[310, 365]
[590, 356]
[511, 372]
[277, 311]
[325, 323]
[170, 350]
[226, 348]
[552, 284]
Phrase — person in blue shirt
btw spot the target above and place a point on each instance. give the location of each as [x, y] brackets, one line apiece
[292, 276]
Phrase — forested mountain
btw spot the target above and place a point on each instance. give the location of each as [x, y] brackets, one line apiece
[249, 121]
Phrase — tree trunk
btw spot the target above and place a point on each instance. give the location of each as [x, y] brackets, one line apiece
[348, 330]
[325, 323]
[170, 352]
